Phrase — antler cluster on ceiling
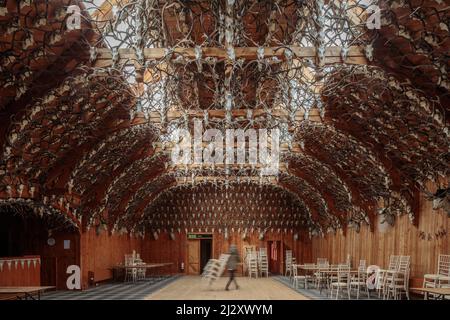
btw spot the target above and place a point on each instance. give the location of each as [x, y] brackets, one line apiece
[87, 114]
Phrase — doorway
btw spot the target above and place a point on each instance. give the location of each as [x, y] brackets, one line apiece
[199, 251]
[205, 252]
[274, 253]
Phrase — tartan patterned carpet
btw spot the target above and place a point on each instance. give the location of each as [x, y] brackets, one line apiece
[114, 291]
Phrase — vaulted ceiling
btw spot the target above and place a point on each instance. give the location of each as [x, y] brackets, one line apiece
[74, 137]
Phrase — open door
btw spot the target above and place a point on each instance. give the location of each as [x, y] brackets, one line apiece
[193, 251]
[199, 251]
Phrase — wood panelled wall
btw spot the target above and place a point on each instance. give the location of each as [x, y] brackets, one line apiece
[21, 271]
[99, 252]
[55, 259]
[423, 243]
[28, 235]
[167, 250]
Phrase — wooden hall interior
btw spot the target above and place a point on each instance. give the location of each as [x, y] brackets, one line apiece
[141, 140]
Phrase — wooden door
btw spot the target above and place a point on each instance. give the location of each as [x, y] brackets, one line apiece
[49, 266]
[193, 251]
[274, 253]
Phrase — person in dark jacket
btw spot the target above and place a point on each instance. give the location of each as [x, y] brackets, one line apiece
[232, 265]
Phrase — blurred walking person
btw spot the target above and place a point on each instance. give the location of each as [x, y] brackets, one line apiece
[232, 265]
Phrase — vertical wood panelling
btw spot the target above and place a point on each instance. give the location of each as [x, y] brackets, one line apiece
[21, 271]
[166, 250]
[403, 238]
[100, 252]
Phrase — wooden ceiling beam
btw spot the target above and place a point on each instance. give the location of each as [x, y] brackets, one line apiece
[237, 114]
[127, 56]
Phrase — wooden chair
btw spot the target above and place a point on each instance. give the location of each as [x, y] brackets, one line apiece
[141, 273]
[442, 277]
[296, 278]
[332, 276]
[362, 264]
[252, 264]
[263, 262]
[130, 273]
[320, 276]
[397, 281]
[360, 280]
[288, 263]
[343, 281]
[382, 274]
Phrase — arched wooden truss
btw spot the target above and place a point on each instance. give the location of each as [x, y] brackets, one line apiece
[85, 121]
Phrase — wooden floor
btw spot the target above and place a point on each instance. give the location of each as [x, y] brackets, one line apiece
[194, 288]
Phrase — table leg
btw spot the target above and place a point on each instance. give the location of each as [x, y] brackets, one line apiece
[27, 295]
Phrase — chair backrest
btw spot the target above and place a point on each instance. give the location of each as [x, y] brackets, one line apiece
[444, 265]
[393, 262]
[348, 261]
[288, 257]
[129, 261]
[321, 262]
[403, 265]
[343, 273]
[362, 273]
[362, 265]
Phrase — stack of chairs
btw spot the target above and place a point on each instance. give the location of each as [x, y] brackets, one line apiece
[441, 279]
[263, 262]
[252, 264]
[382, 274]
[215, 268]
[396, 281]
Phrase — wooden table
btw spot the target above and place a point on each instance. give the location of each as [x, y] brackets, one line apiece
[23, 293]
[140, 266]
[440, 292]
[144, 266]
[325, 271]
